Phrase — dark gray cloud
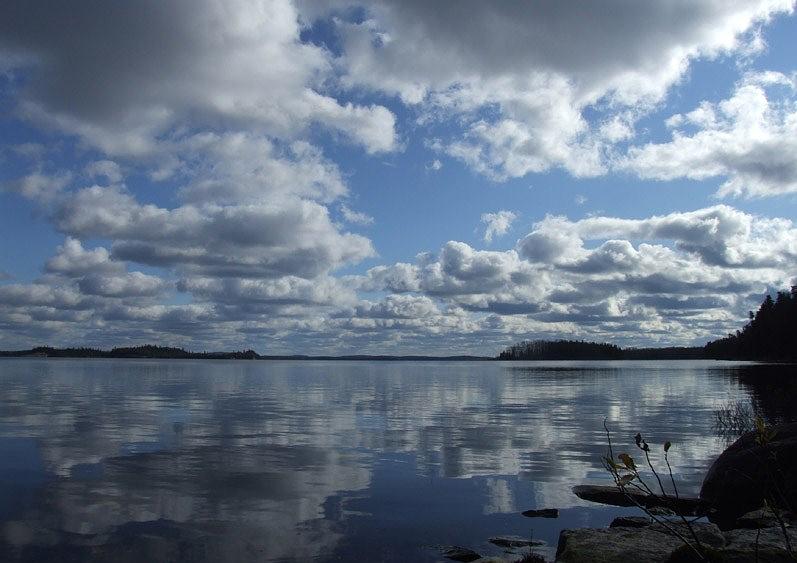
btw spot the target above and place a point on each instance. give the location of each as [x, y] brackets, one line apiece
[295, 237]
[123, 75]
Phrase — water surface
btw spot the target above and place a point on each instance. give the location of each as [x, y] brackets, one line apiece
[331, 461]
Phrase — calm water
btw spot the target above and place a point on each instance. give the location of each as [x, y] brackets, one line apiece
[342, 461]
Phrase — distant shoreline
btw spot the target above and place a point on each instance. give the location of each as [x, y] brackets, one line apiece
[551, 351]
[163, 353]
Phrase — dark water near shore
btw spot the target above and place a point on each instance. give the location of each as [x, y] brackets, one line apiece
[333, 461]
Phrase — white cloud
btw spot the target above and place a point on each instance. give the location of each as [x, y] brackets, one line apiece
[73, 260]
[673, 279]
[719, 235]
[536, 70]
[355, 217]
[231, 123]
[750, 139]
[287, 290]
[239, 167]
[497, 224]
[129, 284]
[679, 278]
[39, 186]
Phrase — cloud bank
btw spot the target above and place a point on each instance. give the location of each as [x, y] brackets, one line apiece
[190, 161]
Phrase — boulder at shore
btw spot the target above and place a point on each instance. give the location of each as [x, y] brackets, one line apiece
[747, 472]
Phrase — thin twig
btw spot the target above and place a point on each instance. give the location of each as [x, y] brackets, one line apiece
[692, 532]
[698, 550]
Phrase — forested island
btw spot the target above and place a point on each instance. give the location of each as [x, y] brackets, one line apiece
[147, 351]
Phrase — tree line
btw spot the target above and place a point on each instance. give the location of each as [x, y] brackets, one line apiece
[146, 351]
[771, 334]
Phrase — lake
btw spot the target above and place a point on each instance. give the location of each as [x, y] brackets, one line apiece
[127, 460]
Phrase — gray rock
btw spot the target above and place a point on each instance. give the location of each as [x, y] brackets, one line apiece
[457, 553]
[762, 518]
[514, 541]
[747, 472]
[631, 522]
[741, 545]
[620, 545]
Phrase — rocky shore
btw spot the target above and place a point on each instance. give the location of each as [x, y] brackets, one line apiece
[747, 496]
[744, 513]
[649, 541]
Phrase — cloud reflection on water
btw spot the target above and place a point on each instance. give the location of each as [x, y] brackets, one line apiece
[276, 460]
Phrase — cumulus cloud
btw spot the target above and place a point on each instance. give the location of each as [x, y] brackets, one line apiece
[294, 237]
[159, 68]
[675, 278]
[234, 126]
[719, 235]
[222, 119]
[750, 139]
[497, 224]
[132, 284]
[540, 67]
[288, 290]
[73, 260]
[670, 279]
[240, 167]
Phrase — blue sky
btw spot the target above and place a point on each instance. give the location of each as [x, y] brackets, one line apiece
[393, 177]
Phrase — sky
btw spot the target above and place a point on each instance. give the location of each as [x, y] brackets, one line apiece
[395, 176]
